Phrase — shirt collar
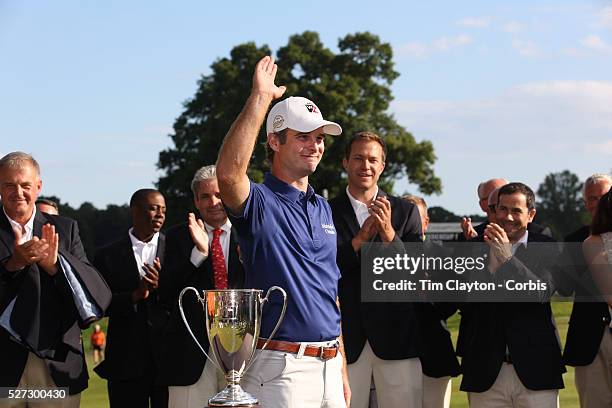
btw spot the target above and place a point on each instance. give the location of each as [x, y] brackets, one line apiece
[279, 186]
[29, 226]
[356, 203]
[227, 227]
[136, 241]
[522, 240]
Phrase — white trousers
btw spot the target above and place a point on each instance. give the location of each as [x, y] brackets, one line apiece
[509, 391]
[594, 381]
[281, 380]
[436, 392]
[197, 395]
[399, 383]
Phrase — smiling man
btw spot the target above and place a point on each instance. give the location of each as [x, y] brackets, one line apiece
[131, 266]
[287, 238]
[201, 253]
[380, 339]
[514, 356]
[48, 289]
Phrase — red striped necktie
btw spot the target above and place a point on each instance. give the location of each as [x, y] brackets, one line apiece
[218, 260]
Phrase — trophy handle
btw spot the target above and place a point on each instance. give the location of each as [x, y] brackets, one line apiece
[280, 318]
[200, 300]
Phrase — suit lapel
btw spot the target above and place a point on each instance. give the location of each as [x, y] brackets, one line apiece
[130, 260]
[161, 248]
[7, 236]
[348, 215]
[39, 221]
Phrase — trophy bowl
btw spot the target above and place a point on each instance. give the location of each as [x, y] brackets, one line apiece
[233, 320]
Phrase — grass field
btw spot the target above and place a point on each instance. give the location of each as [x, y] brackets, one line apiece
[95, 395]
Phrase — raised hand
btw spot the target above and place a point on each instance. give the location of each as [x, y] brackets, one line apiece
[263, 79]
[198, 233]
[468, 230]
[49, 262]
[381, 211]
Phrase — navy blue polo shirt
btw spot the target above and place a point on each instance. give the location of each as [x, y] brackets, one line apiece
[287, 238]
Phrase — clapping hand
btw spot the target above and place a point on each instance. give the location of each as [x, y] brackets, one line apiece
[151, 277]
[468, 230]
[500, 248]
[49, 260]
[198, 233]
[380, 209]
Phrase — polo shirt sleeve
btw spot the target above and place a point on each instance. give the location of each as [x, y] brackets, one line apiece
[251, 220]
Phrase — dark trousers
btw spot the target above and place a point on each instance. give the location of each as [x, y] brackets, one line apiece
[136, 393]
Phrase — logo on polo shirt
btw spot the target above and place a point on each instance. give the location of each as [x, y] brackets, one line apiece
[329, 228]
[311, 108]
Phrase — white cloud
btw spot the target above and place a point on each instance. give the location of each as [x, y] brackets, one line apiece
[474, 22]
[596, 43]
[522, 134]
[526, 48]
[442, 44]
[512, 27]
[605, 17]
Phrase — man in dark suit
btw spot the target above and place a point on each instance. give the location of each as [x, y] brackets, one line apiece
[438, 358]
[587, 334]
[131, 266]
[48, 288]
[512, 355]
[484, 191]
[380, 339]
[202, 254]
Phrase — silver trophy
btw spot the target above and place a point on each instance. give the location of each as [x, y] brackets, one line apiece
[233, 319]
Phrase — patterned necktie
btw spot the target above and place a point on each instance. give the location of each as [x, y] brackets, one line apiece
[218, 260]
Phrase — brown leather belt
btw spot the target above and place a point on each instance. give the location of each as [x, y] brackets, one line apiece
[324, 353]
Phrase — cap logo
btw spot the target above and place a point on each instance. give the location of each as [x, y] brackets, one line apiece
[277, 122]
[311, 108]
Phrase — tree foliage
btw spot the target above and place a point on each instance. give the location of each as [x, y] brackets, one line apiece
[560, 206]
[351, 87]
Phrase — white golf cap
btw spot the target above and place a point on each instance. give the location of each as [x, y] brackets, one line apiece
[299, 114]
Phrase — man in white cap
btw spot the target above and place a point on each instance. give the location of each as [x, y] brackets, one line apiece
[287, 238]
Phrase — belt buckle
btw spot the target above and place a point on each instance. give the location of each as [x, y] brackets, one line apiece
[322, 353]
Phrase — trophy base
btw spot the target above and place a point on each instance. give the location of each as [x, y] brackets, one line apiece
[233, 396]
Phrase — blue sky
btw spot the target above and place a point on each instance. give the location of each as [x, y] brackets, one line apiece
[512, 89]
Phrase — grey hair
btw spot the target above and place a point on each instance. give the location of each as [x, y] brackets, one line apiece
[17, 160]
[594, 179]
[203, 173]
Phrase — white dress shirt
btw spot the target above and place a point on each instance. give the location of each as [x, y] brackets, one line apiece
[362, 211]
[198, 257]
[144, 252]
[28, 227]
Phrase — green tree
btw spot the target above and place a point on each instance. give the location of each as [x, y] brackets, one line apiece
[351, 87]
[96, 227]
[560, 206]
